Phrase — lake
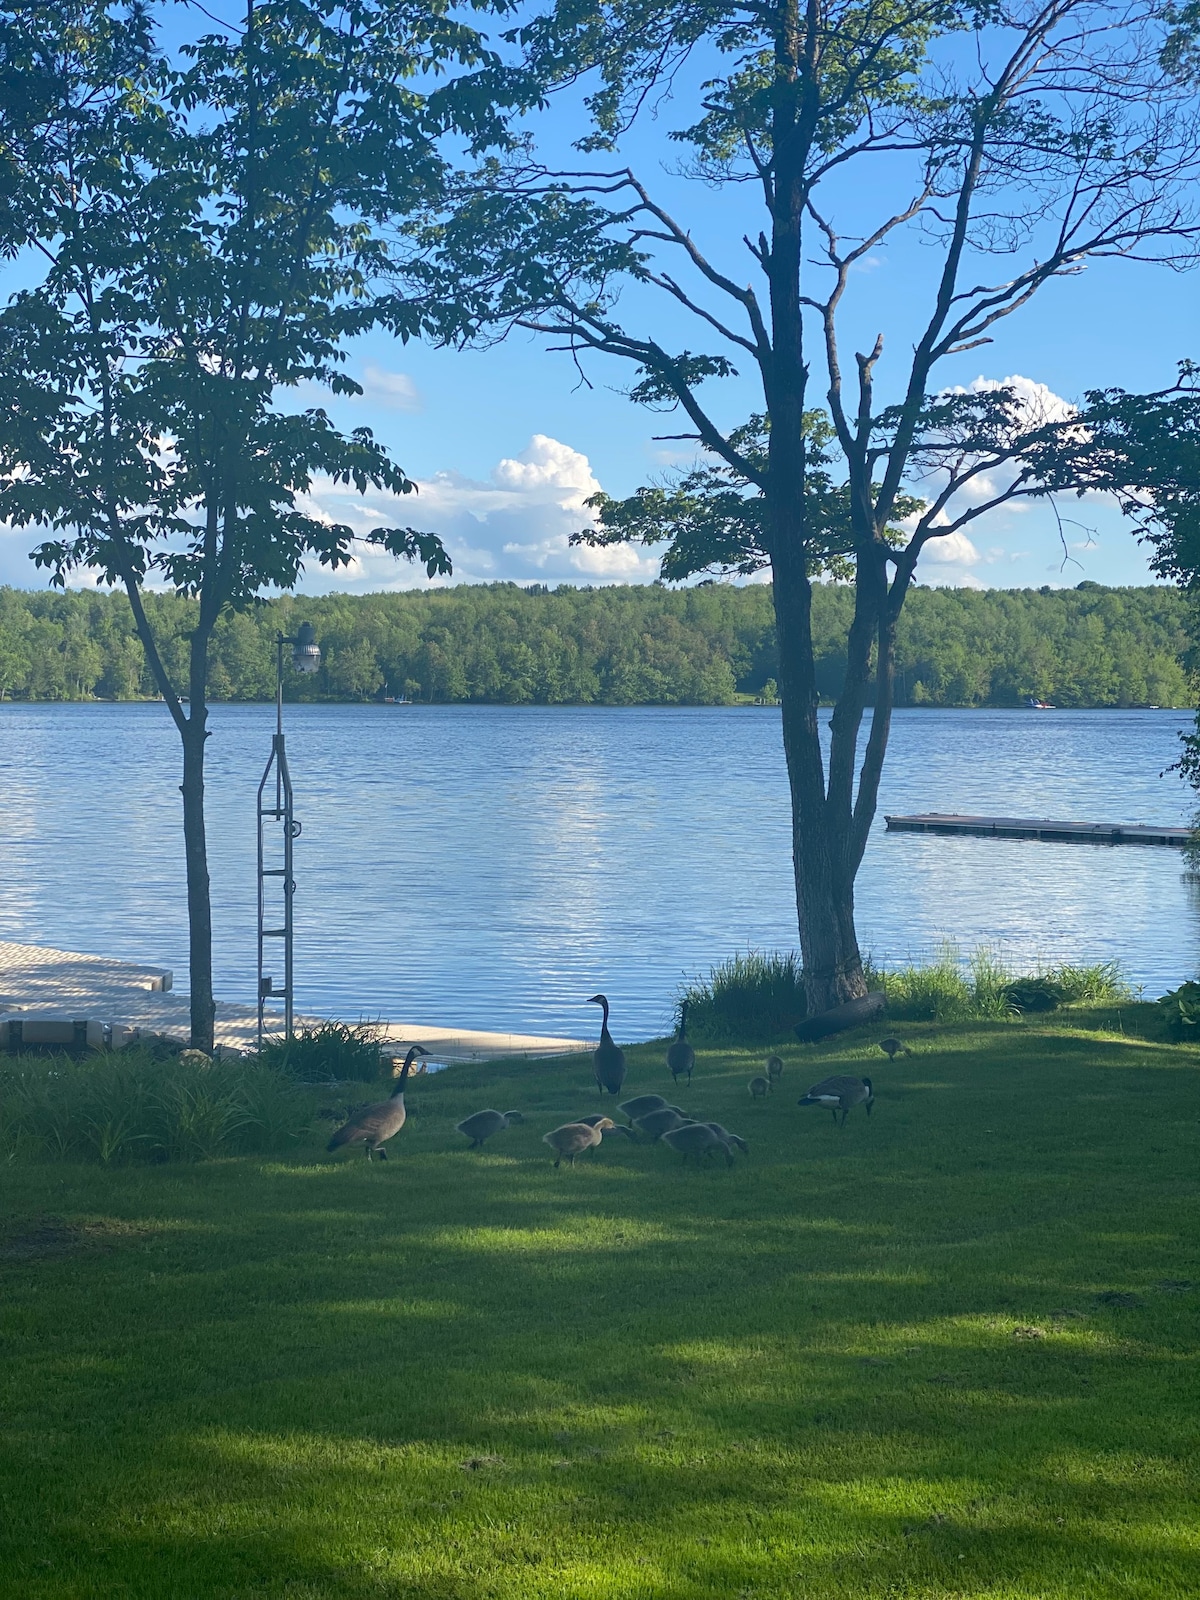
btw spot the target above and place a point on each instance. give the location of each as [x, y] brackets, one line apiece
[491, 867]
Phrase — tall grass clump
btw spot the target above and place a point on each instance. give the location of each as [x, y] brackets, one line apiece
[333, 1050]
[756, 996]
[138, 1105]
[936, 991]
[947, 989]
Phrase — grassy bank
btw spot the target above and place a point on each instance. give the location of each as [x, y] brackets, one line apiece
[946, 1351]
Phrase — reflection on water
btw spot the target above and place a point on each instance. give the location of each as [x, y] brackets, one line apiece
[493, 866]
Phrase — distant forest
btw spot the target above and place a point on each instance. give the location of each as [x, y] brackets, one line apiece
[1089, 646]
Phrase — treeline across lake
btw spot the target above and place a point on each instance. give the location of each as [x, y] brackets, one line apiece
[708, 645]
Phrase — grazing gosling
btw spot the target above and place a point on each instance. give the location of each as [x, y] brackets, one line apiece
[483, 1124]
[376, 1124]
[574, 1137]
[893, 1048]
[697, 1139]
[840, 1093]
[774, 1069]
[728, 1138]
[759, 1088]
[641, 1105]
[594, 1117]
[681, 1057]
[656, 1123]
[608, 1059]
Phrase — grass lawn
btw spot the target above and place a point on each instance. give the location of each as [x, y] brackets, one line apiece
[947, 1351]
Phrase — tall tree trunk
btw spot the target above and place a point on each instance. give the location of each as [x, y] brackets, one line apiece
[822, 853]
[821, 829]
[195, 841]
[195, 847]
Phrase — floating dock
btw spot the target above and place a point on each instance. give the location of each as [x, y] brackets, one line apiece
[1040, 828]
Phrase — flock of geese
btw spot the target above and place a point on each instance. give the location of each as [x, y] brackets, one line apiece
[648, 1116]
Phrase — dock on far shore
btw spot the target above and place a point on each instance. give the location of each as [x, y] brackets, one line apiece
[40, 983]
[1040, 828]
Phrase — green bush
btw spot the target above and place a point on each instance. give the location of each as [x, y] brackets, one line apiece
[1182, 1008]
[1038, 993]
[334, 1050]
[947, 990]
[756, 996]
[141, 1105]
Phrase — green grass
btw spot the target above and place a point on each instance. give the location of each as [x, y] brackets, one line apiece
[949, 1351]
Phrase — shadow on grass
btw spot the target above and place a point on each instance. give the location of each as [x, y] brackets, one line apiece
[865, 1361]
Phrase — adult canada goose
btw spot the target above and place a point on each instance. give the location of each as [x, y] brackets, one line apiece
[729, 1138]
[608, 1059]
[483, 1124]
[681, 1057]
[640, 1105]
[774, 1069]
[376, 1124]
[656, 1123]
[696, 1139]
[759, 1088]
[893, 1048]
[573, 1137]
[839, 1094]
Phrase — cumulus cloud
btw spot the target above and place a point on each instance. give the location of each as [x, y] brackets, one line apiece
[1039, 403]
[516, 525]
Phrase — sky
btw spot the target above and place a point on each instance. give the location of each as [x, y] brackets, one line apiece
[506, 444]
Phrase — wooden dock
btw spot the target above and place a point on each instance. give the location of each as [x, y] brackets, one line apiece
[1039, 828]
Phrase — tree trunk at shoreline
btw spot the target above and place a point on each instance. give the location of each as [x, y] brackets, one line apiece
[199, 901]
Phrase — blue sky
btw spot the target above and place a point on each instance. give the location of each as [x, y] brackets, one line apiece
[507, 443]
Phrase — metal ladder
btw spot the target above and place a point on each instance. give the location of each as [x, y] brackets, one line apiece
[280, 813]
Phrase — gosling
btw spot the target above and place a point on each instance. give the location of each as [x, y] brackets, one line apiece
[774, 1069]
[656, 1123]
[483, 1124]
[729, 1138]
[376, 1124]
[696, 1139]
[574, 1137]
[759, 1088]
[641, 1105]
[593, 1117]
[840, 1093]
[893, 1048]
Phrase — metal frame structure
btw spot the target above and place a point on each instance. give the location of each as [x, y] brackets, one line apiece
[307, 658]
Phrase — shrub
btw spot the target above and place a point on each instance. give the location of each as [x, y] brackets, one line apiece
[756, 996]
[334, 1050]
[141, 1105]
[1035, 993]
[1182, 1008]
[943, 991]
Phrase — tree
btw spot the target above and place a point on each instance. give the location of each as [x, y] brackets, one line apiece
[1041, 135]
[210, 232]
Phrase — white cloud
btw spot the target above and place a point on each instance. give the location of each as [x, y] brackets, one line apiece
[1039, 403]
[392, 391]
[516, 525]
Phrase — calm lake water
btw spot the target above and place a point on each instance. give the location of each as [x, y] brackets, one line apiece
[491, 867]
